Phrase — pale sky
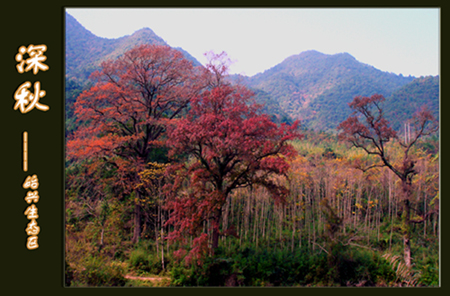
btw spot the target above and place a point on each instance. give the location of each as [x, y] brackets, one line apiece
[400, 40]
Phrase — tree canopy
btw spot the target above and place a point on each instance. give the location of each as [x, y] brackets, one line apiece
[232, 146]
[124, 115]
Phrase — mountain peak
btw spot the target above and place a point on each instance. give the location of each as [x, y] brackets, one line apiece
[346, 55]
[144, 31]
[311, 52]
[316, 87]
[144, 35]
[317, 54]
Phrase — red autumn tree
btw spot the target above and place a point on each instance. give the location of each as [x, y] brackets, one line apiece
[231, 146]
[124, 115]
[367, 129]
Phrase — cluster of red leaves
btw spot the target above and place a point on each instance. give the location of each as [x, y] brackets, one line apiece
[374, 131]
[230, 140]
[122, 118]
[232, 145]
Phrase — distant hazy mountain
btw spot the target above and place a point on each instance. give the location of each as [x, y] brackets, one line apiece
[85, 51]
[316, 88]
[311, 86]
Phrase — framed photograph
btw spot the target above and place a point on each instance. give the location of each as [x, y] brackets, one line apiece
[182, 146]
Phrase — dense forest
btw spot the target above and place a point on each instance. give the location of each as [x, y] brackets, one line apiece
[176, 176]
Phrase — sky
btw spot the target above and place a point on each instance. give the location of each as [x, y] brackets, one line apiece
[399, 40]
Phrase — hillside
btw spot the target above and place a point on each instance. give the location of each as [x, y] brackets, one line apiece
[316, 87]
[270, 105]
[85, 51]
[408, 99]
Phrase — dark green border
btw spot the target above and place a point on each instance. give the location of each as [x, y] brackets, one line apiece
[35, 22]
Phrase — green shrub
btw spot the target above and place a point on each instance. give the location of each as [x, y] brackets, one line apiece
[184, 276]
[145, 260]
[429, 276]
[138, 259]
[99, 272]
[249, 266]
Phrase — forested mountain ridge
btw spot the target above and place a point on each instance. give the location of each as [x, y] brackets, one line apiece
[85, 51]
[316, 87]
[412, 96]
[311, 86]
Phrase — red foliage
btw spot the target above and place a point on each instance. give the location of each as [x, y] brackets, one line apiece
[233, 146]
[373, 131]
[367, 129]
[123, 117]
[129, 106]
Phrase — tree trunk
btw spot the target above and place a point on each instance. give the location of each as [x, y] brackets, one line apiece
[101, 238]
[406, 224]
[162, 249]
[157, 225]
[407, 250]
[215, 234]
[137, 219]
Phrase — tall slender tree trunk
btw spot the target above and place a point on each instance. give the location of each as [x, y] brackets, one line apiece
[406, 223]
[162, 247]
[216, 232]
[158, 224]
[390, 206]
[425, 210]
[137, 218]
